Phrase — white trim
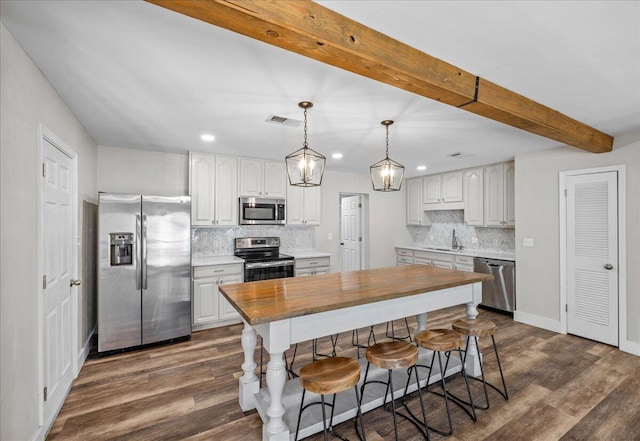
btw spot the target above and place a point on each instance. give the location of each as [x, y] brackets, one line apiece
[86, 348]
[629, 346]
[44, 133]
[538, 321]
[623, 342]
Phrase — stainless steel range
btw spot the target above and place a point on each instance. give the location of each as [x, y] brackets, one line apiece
[262, 258]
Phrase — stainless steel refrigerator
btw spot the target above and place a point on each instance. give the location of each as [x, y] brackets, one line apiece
[144, 269]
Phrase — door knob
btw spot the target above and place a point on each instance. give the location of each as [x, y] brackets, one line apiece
[608, 266]
[74, 282]
[341, 243]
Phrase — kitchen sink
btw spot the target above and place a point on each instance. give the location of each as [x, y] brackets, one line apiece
[439, 248]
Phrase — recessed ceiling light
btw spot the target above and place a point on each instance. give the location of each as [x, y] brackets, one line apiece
[421, 167]
[337, 156]
[207, 137]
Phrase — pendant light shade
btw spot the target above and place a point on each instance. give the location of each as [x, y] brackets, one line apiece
[387, 174]
[305, 166]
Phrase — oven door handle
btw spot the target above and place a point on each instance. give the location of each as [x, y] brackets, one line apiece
[254, 265]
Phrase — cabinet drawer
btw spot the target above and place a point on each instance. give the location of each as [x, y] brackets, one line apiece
[218, 270]
[422, 261]
[443, 257]
[312, 263]
[405, 259]
[466, 260]
[462, 267]
[403, 252]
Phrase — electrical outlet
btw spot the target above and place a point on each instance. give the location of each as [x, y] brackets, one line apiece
[431, 237]
[527, 242]
[474, 239]
[330, 236]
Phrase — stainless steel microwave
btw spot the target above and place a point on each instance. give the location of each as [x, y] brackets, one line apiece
[260, 211]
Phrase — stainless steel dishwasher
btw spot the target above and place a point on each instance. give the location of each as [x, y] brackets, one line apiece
[499, 293]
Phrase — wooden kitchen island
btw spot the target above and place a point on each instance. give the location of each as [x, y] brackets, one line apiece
[291, 310]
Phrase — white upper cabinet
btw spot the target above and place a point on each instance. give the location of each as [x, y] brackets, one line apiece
[303, 205]
[474, 200]
[499, 200]
[262, 178]
[213, 186]
[443, 191]
[415, 211]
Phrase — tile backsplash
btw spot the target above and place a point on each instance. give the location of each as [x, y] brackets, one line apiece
[439, 234]
[218, 241]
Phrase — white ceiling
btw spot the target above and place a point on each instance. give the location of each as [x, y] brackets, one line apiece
[139, 76]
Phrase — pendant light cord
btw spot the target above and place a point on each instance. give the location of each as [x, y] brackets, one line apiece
[305, 144]
[387, 153]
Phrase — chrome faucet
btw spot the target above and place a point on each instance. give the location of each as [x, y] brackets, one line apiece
[454, 242]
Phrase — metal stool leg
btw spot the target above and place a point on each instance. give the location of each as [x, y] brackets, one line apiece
[504, 384]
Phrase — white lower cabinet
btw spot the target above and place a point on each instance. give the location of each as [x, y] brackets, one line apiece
[210, 308]
[313, 266]
[442, 260]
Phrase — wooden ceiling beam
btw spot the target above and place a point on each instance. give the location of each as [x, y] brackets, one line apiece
[309, 29]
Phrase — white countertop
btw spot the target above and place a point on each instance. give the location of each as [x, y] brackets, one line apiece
[215, 260]
[490, 254]
[306, 254]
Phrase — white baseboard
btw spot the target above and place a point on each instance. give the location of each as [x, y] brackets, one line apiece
[629, 346]
[538, 321]
[84, 353]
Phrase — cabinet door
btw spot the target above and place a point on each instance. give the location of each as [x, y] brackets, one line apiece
[452, 186]
[509, 194]
[226, 310]
[474, 196]
[250, 177]
[432, 189]
[275, 179]
[493, 195]
[295, 205]
[202, 168]
[415, 212]
[205, 301]
[312, 203]
[226, 194]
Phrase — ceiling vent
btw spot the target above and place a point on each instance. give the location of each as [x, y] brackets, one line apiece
[283, 120]
[458, 155]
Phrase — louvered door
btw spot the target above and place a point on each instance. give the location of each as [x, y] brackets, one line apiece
[592, 256]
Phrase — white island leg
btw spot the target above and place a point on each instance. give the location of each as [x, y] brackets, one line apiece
[422, 322]
[276, 342]
[472, 366]
[249, 383]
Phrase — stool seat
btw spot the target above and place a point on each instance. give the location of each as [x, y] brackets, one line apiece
[392, 355]
[474, 327]
[442, 340]
[330, 375]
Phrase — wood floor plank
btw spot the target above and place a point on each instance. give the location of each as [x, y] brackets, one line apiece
[560, 387]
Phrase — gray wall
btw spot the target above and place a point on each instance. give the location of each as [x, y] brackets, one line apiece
[537, 216]
[140, 171]
[26, 99]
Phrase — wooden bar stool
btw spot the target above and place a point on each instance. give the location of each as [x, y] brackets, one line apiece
[481, 328]
[447, 341]
[329, 376]
[395, 355]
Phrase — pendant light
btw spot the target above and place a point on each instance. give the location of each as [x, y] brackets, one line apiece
[387, 174]
[305, 166]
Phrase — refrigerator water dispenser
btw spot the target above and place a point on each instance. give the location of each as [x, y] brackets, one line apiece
[121, 246]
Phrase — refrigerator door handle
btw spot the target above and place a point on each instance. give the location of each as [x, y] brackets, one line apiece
[144, 251]
[137, 252]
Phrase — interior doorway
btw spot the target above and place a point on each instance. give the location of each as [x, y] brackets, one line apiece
[354, 232]
[592, 261]
[58, 266]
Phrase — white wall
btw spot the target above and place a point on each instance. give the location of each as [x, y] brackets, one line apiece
[537, 216]
[140, 171]
[387, 218]
[26, 99]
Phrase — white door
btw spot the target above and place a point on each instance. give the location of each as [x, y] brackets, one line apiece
[592, 256]
[351, 234]
[58, 190]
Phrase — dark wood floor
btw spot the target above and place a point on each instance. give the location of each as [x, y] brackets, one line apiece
[561, 388]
